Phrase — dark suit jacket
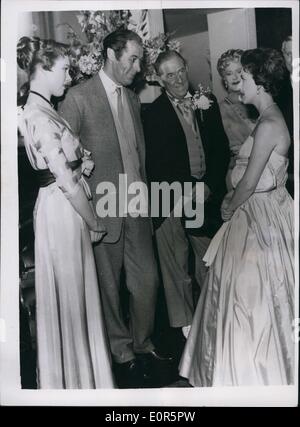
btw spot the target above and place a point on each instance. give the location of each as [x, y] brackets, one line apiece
[86, 108]
[285, 103]
[167, 157]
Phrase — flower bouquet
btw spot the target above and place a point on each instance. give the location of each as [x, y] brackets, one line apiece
[201, 99]
[87, 58]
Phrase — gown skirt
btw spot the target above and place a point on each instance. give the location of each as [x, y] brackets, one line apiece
[73, 351]
[242, 328]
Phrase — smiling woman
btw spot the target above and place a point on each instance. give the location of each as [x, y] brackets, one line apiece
[238, 119]
[242, 332]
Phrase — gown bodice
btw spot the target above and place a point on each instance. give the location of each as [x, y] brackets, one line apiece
[274, 174]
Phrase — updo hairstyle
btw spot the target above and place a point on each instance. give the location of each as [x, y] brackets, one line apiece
[267, 67]
[34, 51]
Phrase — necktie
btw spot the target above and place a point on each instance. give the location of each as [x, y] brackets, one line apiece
[120, 108]
[184, 106]
[127, 131]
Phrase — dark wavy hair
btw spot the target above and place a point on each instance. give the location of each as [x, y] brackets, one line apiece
[267, 67]
[34, 51]
[117, 41]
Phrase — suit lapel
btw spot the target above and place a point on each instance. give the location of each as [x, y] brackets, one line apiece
[202, 129]
[172, 118]
[174, 137]
[102, 101]
[101, 109]
[170, 113]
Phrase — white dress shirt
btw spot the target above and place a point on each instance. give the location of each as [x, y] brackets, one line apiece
[127, 140]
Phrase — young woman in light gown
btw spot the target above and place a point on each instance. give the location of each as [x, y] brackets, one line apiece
[71, 337]
[242, 332]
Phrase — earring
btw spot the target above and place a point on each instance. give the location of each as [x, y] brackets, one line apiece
[226, 85]
[257, 90]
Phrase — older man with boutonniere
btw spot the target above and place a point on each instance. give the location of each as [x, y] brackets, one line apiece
[185, 143]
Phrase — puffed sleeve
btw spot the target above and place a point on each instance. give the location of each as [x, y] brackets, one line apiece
[46, 136]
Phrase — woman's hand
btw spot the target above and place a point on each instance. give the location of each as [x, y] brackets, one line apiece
[225, 212]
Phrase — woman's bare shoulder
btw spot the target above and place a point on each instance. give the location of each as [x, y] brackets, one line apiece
[272, 131]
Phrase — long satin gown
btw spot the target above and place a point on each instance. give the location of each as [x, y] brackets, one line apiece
[242, 328]
[72, 345]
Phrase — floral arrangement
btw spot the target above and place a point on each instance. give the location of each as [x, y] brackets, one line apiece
[87, 58]
[153, 47]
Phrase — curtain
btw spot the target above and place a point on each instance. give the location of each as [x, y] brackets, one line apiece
[44, 22]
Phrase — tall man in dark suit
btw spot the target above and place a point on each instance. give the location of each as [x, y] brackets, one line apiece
[106, 117]
[183, 146]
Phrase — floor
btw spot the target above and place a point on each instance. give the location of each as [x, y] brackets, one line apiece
[167, 340]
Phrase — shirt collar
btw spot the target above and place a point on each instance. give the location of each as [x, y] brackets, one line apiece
[109, 85]
[176, 101]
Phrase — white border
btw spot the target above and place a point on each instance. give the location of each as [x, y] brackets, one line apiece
[11, 393]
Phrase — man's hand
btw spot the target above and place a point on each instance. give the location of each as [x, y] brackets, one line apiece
[225, 212]
[97, 230]
[97, 236]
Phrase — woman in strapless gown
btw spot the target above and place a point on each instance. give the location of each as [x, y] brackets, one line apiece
[242, 331]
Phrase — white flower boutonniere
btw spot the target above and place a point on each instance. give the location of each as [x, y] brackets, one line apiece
[201, 99]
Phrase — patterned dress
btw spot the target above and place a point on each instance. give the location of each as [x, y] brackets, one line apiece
[71, 338]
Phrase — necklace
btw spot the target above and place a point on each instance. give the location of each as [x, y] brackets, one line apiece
[261, 114]
[38, 94]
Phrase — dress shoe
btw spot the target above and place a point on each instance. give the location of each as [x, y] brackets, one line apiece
[154, 354]
[130, 374]
[158, 369]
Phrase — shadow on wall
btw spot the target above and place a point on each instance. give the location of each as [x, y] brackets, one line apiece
[189, 27]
